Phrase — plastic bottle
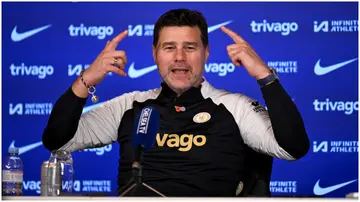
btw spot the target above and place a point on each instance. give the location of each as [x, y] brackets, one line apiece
[12, 173]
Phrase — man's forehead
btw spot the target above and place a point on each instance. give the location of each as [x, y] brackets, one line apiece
[180, 27]
[179, 35]
[180, 31]
[174, 33]
[184, 42]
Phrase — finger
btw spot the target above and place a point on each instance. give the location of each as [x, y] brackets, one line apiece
[106, 46]
[237, 62]
[233, 47]
[118, 71]
[115, 41]
[120, 54]
[234, 52]
[111, 62]
[233, 35]
[238, 46]
[235, 57]
[119, 63]
[116, 54]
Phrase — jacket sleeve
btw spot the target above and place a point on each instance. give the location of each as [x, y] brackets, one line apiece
[287, 123]
[69, 129]
[278, 131]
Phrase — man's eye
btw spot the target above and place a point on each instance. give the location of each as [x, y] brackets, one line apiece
[190, 48]
[169, 48]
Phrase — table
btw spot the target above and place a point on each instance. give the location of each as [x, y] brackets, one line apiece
[173, 199]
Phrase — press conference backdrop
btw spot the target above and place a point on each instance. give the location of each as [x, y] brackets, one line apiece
[313, 47]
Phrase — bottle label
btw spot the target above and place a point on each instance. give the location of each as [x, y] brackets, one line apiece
[12, 176]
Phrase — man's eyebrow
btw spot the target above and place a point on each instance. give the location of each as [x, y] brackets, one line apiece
[186, 43]
[168, 43]
[193, 43]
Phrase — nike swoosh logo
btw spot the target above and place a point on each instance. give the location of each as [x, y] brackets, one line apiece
[27, 147]
[215, 27]
[16, 37]
[136, 73]
[319, 70]
[322, 191]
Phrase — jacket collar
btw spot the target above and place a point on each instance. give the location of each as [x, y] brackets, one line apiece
[189, 97]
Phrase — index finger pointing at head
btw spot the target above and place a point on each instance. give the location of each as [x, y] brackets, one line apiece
[233, 35]
[115, 41]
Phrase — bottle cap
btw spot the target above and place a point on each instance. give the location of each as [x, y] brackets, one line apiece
[13, 150]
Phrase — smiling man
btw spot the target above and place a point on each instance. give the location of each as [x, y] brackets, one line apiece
[203, 133]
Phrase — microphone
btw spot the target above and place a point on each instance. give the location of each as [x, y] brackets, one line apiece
[144, 132]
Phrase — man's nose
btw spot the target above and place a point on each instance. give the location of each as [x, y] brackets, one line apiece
[180, 54]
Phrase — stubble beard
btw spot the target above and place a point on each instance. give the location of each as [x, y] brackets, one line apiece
[194, 81]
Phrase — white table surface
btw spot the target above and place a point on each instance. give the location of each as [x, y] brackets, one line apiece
[171, 199]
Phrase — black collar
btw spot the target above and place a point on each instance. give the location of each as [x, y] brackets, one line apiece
[189, 97]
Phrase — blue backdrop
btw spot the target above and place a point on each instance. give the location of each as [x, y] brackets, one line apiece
[313, 46]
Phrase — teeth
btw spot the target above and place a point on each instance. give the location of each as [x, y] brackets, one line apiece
[180, 71]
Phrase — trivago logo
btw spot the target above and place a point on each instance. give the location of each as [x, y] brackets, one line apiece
[285, 28]
[183, 142]
[95, 31]
[32, 185]
[348, 107]
[40, 71]
[221, 69]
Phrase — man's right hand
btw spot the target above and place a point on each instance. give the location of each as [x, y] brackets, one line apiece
[102, 65]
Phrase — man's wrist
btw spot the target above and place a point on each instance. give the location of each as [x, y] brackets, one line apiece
[264, 75]
[80, 89]
[269, 79]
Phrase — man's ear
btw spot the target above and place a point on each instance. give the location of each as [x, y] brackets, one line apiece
[154, 53]
[207, 52]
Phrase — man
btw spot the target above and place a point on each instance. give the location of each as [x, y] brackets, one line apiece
[203, 132]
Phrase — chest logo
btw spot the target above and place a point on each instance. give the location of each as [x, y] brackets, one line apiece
[202, 117]
[179, 109]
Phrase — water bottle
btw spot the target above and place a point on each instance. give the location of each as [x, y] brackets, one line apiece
[57, 174]
[12, 174]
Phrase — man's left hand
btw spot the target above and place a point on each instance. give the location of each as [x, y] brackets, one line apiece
[241, 53]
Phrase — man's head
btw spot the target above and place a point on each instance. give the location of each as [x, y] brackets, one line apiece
[180, 48]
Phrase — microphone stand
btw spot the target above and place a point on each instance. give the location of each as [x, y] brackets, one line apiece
[136, 180]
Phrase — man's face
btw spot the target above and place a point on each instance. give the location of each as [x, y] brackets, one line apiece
[180, 57]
